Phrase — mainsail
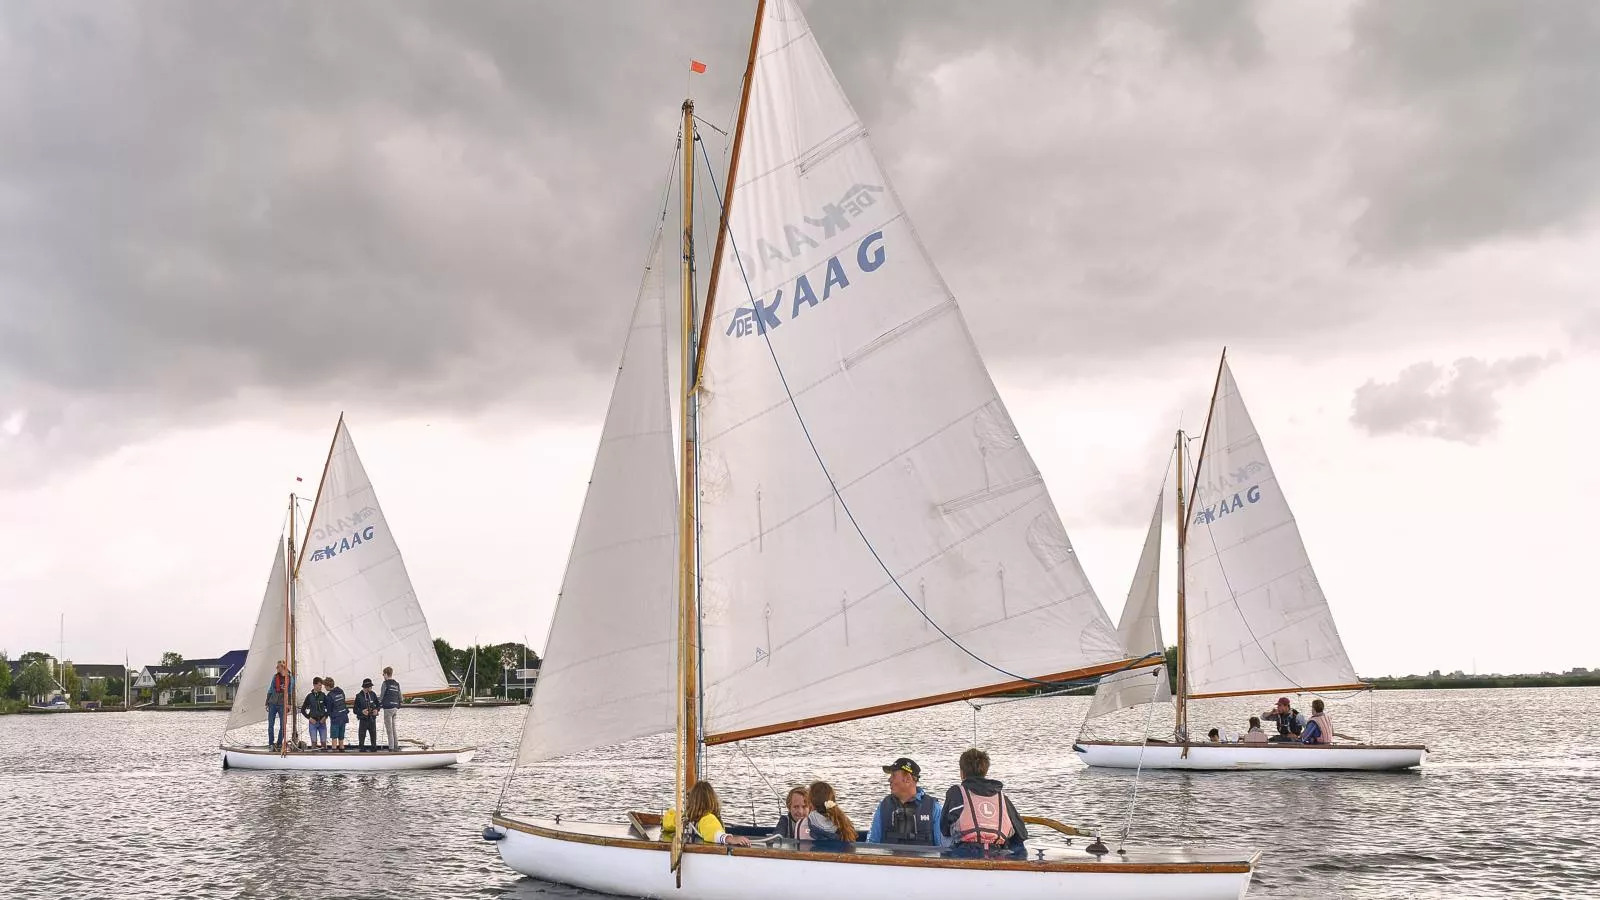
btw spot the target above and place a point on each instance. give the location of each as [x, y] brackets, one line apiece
[355, 611]
[1257, 619]
[1140, 631]
[611, 655]
[266, 648]
[844, 309]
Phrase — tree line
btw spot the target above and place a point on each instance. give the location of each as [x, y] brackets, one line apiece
[482, 666]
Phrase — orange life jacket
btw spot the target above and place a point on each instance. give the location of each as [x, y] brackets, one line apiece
[1325, 728]
[983, 820]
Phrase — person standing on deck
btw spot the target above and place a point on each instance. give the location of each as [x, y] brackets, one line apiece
[315, 708]
[1320, 729]
[278, 689]
[908, 814]
[366, 717]
[389, 698]
[338, 714]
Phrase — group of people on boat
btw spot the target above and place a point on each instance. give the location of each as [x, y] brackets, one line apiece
[327, 709]
[975, 816]
[1293, 728]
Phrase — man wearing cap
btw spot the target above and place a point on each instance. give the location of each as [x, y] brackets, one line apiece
[1290, 722]
[366, 717]
[908, 815]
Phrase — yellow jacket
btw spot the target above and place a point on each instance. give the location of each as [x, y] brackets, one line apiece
[708, 829]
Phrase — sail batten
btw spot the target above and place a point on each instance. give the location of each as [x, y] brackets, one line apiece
[1257, 620]
[610, 656]
[860, 478]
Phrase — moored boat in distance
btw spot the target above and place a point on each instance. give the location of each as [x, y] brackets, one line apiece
[862, 529]
[1252, 618]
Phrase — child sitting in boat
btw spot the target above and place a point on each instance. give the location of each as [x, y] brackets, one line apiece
[704, 812]
[1255, 735]
[827, 821]
[978, 816]
[792, 824]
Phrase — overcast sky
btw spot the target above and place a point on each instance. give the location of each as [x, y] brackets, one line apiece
[222, 223]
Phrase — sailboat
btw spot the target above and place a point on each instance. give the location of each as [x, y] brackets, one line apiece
[861, 529]
[341, 606]
[1252, 618]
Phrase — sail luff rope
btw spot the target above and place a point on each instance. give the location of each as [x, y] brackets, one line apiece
[834, 487]
[666, 199]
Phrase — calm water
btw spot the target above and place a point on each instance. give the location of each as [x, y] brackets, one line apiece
[137, 805]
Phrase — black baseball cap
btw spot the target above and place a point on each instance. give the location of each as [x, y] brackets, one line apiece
[904, 764]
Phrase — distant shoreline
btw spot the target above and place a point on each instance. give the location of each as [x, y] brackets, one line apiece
[1591, 679]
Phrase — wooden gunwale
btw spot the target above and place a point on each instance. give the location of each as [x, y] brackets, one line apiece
[1110, 865]
[1233, 745]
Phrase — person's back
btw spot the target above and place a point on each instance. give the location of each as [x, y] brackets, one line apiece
[977, 813]
[1255, 735]
[1319, 729]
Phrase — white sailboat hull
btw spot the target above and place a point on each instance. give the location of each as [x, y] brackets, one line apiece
[602, 858]
[349, 761]
[1262, 757]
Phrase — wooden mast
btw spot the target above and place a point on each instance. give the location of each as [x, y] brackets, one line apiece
[1183, 532]
[288, 634]
[688, 620]
[1182, 694]
[727, 190]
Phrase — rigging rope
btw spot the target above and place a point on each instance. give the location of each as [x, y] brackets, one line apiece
[1138, 769]
[834, 487]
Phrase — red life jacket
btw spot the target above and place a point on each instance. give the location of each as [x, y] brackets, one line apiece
[983, 820]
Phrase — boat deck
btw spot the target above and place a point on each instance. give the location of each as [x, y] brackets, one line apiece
[1054, 858]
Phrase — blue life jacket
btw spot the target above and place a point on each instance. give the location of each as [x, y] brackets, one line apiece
[908, 823]
[391, 694]
[336, 706]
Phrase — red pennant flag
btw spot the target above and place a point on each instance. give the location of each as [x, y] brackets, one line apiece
[697, 66]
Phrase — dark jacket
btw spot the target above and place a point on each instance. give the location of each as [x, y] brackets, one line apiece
[982, 787]
[315, 706]
[337, 710]
[391, 696]
[367, 705]
[275, 690]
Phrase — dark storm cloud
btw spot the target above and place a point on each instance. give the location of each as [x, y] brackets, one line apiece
[1485, 122]
[403, 204]
[1460, 403]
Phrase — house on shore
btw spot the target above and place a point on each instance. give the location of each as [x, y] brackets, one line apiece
[212, 680]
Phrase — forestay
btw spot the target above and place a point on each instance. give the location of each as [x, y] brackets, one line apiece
[799, 621]
[1257, 619]
[266, 648]
[1140, 631]
[355, 611]
[610, 660]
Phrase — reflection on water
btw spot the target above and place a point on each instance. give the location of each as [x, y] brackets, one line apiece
[137, 805]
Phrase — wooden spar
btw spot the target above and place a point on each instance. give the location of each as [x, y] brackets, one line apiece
[1294, 689]
[933, 700]
[1182, 694]
[294, 562]
[727, 190]
[1183, 536]
[688, 621]
[288, 633]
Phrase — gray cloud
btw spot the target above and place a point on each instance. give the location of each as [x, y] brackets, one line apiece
[1456, 404]
[1481, 123]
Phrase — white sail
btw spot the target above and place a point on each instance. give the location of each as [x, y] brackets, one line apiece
[266, 648]
[1140, 631]
[355, 611]
[609, 672]
[800, 622]
[1257, 619]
